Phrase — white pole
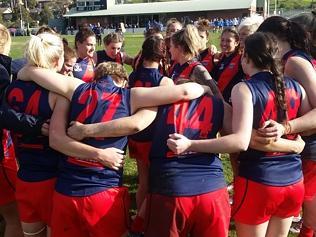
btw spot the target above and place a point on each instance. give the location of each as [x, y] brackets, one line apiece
[21, 21]
[268, 8]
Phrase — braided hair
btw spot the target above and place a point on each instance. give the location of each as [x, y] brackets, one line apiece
[262, 49]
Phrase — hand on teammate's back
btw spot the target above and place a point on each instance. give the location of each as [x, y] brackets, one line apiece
[112, 158]
[45, 128]
[271, 129]
[178, 143]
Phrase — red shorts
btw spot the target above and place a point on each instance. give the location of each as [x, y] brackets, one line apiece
[98, 215]
[7, 184]
[200, 216]
[256, 203]
[309, 171]
[139, 150]
[35, 200]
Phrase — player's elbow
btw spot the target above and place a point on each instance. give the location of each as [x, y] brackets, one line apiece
[242, 145]
[138, 126]
[54, 140]
[186, 95]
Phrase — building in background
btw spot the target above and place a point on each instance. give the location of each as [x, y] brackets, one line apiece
[111, 12]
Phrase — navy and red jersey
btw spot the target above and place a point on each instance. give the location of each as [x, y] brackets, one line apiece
[275, 169]
[298, 53]
[38, 162]
[190, 173]
[145, 77]
[227, 73]
[84, 69]
[92, 103]
[206, 58]
[309, 151]
[103, 57]
[183, 71]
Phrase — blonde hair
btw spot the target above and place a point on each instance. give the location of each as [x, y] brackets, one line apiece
[113, 37]
[5, 40]
[188, 39]
[252, 23]
[170, 22]
[116, 70]
[44, 50]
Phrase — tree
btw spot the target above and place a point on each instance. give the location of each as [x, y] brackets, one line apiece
[31, 4]
[45, 15]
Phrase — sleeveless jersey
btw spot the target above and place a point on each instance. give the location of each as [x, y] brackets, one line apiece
[183, 71]
[92, 103]
[103, 57]
[84, 69]
[309, 151]
[298, 53]
[190, 173]
[145, 77]
[275, 169]
[227, 73]
[37, 160]
[206, 58]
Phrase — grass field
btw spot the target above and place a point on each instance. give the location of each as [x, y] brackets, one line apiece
[132, 45]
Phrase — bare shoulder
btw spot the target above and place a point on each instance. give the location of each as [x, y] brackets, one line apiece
[200, 74]
[241, 89]
[301, 70]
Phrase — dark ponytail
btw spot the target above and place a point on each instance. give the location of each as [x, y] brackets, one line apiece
[299, 37]
[139, 62]
[308, 22]
[288, 31]
[262, 49]
[153, 48]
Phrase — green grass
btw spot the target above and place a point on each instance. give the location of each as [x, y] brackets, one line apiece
[133, 44]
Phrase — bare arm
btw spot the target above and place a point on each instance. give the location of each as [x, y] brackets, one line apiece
[118, 127]
[227, 122]
[306, 122]
[166, 81]
[237, 141]
[155, 96]
[114, 128]
[58, 140]
[127, 59]
[303, 72]
[280, 145]
[50, 80]
[202, 76]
